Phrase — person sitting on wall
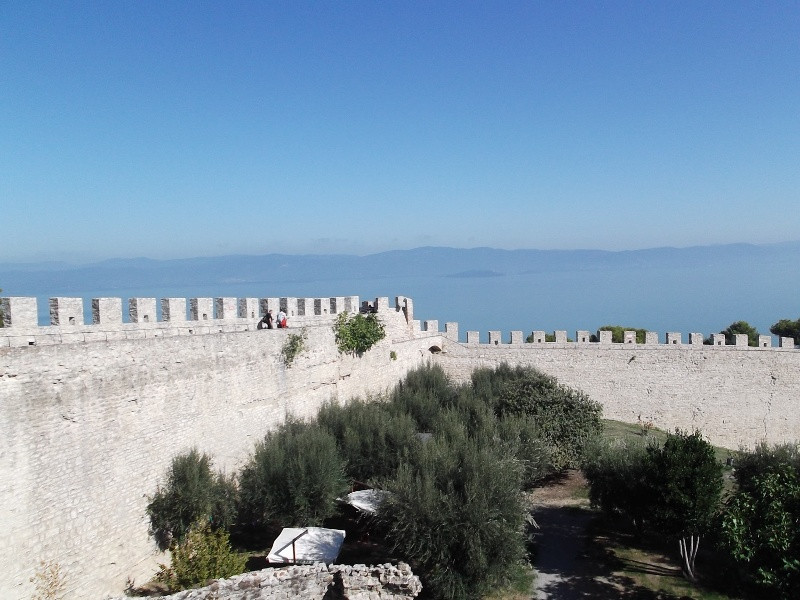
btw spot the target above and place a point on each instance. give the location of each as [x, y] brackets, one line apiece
[266, 321]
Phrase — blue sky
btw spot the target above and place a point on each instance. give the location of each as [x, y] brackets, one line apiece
[174, 129]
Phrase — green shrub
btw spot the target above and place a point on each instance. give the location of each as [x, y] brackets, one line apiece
[358, 333]
[293, 478]
[192, 493]
[759, 523]
[421, 394]
[295, 344]
[616, 474]
[567, 419]
[371, 439]
[455, 512]
[618, 333]
[762, 459]
[204, 554]
[519, 437]
[488, 383]
[471, 411]
[672, 489]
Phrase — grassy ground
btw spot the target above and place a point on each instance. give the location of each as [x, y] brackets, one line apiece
[620, 430]
[649, 568]
[519, 588]
[621, 563]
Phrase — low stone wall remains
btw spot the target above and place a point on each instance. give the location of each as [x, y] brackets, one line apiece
[312, 582]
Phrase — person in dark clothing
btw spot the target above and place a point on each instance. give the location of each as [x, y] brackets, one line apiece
[266, 321]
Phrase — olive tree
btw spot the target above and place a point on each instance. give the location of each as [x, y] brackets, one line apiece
[455, 511]
[193, 493]
[294, 477]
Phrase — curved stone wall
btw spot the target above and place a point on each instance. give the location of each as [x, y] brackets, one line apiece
[736, 395]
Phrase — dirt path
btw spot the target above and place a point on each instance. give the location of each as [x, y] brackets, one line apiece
[564, 571]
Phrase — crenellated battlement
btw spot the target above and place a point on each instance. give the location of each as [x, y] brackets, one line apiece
[152, 317]
[89, 428]
[156, 317]
[582, 338]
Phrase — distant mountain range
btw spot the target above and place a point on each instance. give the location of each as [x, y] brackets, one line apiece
[45, 277]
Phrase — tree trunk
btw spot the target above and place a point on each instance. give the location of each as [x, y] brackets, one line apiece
[688, 555]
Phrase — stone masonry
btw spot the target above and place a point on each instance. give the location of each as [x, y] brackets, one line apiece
[91, 414]
[313, 582]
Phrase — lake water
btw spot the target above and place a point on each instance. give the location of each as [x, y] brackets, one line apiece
[700, 299]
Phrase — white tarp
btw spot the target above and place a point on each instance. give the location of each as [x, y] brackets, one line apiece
[366, 501]
[311, 544]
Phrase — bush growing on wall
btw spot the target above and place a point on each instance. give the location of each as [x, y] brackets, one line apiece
[192, 493]
[295, 344]
[49, 581]
[293, 478]
[358, 333]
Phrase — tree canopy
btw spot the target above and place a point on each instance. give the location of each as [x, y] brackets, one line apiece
[787, 328]
[673, 489]
[759, 524]
[741, 327]
[193, 494]
[618, 333]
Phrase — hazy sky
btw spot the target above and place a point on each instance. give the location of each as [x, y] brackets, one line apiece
[167, 129]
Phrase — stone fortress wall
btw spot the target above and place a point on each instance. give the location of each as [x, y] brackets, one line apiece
[737, 395]
[92, 414]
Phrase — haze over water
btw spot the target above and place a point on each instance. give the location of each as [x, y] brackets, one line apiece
[701, 299]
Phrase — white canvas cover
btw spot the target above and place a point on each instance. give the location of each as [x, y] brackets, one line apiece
[366, 501]
[314, 544]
